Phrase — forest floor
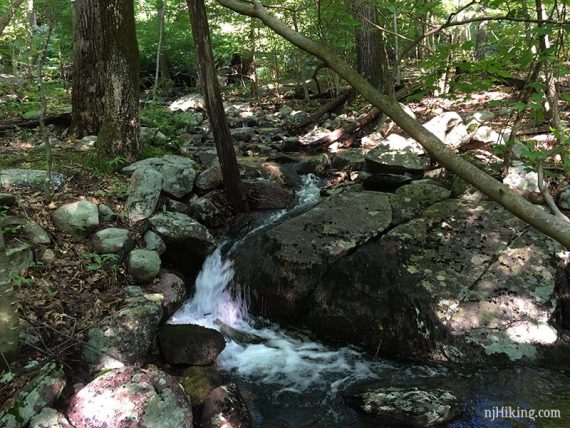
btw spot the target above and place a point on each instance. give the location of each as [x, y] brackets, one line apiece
[60, 301]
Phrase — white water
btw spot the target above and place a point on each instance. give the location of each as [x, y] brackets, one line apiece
[294, 364]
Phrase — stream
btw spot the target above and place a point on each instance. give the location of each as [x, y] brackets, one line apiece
[295, 381]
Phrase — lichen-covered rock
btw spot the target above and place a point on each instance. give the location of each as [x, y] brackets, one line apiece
[410, 200]
[190, 344]
[28, 178]
[144, 265]
[85, 144]
[187, 241]
[206, 212]
[126, 336]
[49, 418]
[144, 190]
[210, 178]
[42, 391]
[173, 291]
[131, 397]
[178, 173]
[308, 245]
[410, 407]
[564, 199]
[351, 159]
[199, 381]
[154, 242]
[27, 230]
[111, 240]
[77, 219]
[106, 213]
[383, 160]
[226, 407]
[522, 180]
[20, 257]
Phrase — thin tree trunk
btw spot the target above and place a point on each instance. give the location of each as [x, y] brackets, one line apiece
[253, 68]
[43, 108]
[12, 8]
[161, 10]
[215, 106]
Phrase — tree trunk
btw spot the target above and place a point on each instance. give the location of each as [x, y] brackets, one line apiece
[88, 90]
[119, 133]
[371, 58]
[12, 8]
[215, 106]
[9, 328]
[517, 205]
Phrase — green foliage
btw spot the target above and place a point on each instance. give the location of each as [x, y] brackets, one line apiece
[19, 280]
[98, 261]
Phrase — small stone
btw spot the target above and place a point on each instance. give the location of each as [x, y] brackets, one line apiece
[154, 242]
[86, 144]
[48, 256]
[111, 240]
[106, 213]
[77, 219]
[144, 265]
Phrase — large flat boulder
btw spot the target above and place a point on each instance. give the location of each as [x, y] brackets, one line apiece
[412, 275]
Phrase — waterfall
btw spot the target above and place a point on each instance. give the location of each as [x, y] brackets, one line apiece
[267, 354]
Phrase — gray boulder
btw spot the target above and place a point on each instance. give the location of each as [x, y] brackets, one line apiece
[85, 144]
[210, 178]
[154, 242]
[144, 265]
[382, 160]
[20, 257]
[106, 213]
[522, 180]
[115, 342]
[190, 101]
[78, 219]
[564, 199]
[111, 240]
[28, 178]
[449, 128]
[144, 190]
[350, 159]
[131, 397]
[190, 344]
[187, 241]
[206, 212]
[49, 418]
[178, 173]
[42, 391]
[410, 407]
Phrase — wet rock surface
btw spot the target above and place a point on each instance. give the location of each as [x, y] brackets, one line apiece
[190, 344]
[409, 407]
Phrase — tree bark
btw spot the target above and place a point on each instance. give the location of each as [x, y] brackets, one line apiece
[215, 106]
[119, 133]
[12, 8]
[88, 90]
[161, 10]
[520, 207]
[371, 58]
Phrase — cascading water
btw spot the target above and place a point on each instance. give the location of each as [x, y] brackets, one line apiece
[297, 382]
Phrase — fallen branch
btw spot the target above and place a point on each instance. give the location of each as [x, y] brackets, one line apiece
[326, 108]
[341, 134]
[62, 119]
[546, 194]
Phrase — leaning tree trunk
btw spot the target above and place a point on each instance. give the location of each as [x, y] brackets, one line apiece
[215, 106]
[9, 328]
[119, 134]
[88, 90]
[516, 204]
[12, 8]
